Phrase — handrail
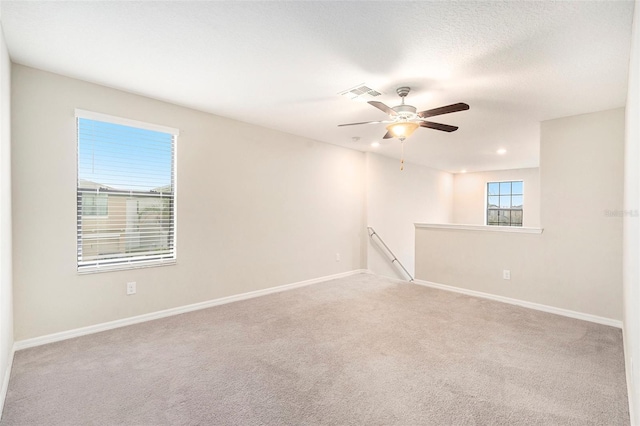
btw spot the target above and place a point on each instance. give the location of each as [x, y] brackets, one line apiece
[395, 259]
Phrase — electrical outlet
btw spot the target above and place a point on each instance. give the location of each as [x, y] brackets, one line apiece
[506, 274]
[337, 257]
[131, 288]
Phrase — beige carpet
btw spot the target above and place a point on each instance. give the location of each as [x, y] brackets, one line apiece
[362, 350]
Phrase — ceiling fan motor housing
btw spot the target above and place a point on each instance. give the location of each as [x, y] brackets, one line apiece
[408, 112]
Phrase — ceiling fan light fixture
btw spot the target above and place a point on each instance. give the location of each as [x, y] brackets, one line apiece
[402, 129]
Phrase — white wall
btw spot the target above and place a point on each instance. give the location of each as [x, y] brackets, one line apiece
[6, 298]
[257, 208]
[576, 263]
[631, 258]
[395, 201]
[469, 192]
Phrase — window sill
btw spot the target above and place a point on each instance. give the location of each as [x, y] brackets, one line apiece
[485, 228]
[86, 270]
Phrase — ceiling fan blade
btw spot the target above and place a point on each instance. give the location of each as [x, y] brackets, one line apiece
[438, 126]
[383, 107]
[364, 122]
[388, 135]
[444, 110]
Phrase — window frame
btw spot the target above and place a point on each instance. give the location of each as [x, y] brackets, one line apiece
[132, 262]
[486, 202]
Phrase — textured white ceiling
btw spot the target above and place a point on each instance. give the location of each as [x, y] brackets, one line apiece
[281, 64]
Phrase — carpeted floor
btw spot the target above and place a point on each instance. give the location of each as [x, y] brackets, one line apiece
[362, 350]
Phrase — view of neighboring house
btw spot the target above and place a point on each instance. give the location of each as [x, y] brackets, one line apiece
[113, 222]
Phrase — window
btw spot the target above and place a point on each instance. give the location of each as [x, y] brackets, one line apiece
[125, 193]
[504, 203]
[94, 205]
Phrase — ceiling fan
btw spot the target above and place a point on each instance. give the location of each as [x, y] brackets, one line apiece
[404, 119]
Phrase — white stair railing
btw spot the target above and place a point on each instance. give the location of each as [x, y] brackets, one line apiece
[371, 233]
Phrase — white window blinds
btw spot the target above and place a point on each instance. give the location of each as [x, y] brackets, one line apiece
[126, 198]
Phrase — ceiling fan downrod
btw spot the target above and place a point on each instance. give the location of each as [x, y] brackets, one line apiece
[403, 92]
[403, 112]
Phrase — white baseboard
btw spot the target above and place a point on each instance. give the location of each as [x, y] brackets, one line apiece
[64, 335]
[524, 304]
[634, 402]
[5, 380]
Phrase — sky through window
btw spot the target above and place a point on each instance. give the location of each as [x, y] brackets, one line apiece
[123, 157]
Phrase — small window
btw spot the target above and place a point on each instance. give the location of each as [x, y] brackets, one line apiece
[95, 204]
[505, 203]
[125, 193]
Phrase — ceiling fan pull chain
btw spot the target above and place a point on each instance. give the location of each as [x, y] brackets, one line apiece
[402, 156]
